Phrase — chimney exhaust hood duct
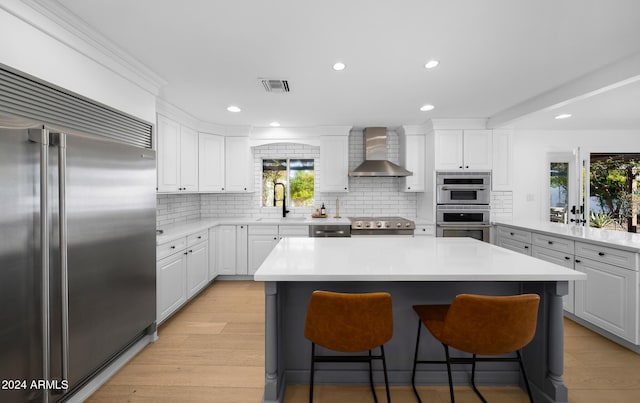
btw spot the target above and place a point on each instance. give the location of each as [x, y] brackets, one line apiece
[375, 156]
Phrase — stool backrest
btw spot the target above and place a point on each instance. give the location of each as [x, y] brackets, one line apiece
[349, 322]
[490, 325]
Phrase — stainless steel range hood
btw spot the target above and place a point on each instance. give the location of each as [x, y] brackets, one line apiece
[375, 156]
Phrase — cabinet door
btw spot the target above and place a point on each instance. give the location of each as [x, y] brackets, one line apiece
[259, 248]
[502, 169]
[608, 298]
[334, 163]
[241, 249]
[477, 149]
[448, 150]
[562, 259]
[415, 162]
[238, 165]
[171, 287]
[213, 255]
[226, 249]
[197, 268]
[188, 159]
[210, 163]
[168, 155]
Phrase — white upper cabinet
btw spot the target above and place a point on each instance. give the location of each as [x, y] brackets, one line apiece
[177, 157]
[334, 163]
[501, 177]
[188, 159]
[168, 155]
[413, 158]
[463, 149]
[238, 165]
[211, 163]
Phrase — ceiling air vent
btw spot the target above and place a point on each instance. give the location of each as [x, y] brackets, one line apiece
[275, 85]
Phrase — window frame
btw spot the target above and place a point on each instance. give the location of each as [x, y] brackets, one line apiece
[287, 184]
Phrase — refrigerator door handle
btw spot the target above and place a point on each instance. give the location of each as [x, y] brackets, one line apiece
[60, 140]
[41, 136]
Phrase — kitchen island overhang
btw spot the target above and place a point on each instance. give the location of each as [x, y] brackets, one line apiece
[415, 271]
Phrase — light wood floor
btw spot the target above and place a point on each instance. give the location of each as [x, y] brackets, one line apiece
[213, 351]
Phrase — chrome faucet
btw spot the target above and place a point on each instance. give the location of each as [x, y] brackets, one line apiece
[284, 198]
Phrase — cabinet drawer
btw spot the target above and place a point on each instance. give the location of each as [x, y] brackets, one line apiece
[263, 230]
[515, 234]
[553, 256]
[517, 246]
[607, 255]
[169, 248]
[294, 230]
[426, 230]
[553, 242]
[197, 237]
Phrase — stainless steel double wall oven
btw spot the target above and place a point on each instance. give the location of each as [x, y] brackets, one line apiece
[462, 208]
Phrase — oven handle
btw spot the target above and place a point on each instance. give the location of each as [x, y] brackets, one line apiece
[463, 187]
[464, 225]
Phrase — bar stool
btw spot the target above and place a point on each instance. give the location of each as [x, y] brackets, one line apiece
[480, 325]
[349, 323]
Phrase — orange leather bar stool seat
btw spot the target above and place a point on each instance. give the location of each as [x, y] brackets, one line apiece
[349, 323]
[481, 325]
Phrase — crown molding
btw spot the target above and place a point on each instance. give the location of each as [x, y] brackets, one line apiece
[59, 23]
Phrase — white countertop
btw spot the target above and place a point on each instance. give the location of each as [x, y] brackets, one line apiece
[403, 259]
[171, 232]
[625, 240]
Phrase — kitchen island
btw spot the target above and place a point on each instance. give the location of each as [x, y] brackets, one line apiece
[417, 270]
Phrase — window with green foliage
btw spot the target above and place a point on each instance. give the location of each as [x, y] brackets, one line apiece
[614, 191]
[297, 178]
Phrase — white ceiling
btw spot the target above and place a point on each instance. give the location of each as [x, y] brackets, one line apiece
[494, 54]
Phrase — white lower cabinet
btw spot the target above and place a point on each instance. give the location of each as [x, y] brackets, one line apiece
[231, 250]
[197, 268]
[262, 240]
[171, 288]
[562, 259]
[424, 230]
[226, 249]
[181, 272]
[608, 298]
[213, 253]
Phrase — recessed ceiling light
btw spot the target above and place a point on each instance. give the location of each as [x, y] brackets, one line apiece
[233, 108]
[274, 124]
[427, 107]
[431, 64]
[339, 66]
[563, 116]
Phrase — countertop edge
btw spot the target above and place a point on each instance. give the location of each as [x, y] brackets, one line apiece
[582, 238]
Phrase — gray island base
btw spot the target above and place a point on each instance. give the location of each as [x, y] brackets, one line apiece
[425, 274]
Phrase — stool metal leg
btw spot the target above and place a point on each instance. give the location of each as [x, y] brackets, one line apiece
[415, 362]
[524, 375]
[446, 353]
[313, 359]
[384, 369]
[373, 390]
[473, 380]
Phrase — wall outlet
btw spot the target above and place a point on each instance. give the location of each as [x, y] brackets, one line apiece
[530, 197]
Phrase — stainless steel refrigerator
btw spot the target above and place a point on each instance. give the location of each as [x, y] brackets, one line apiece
[77, 256]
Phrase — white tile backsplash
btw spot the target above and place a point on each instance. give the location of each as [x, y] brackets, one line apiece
[501, 205]
[175, 208]
[366, 196]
